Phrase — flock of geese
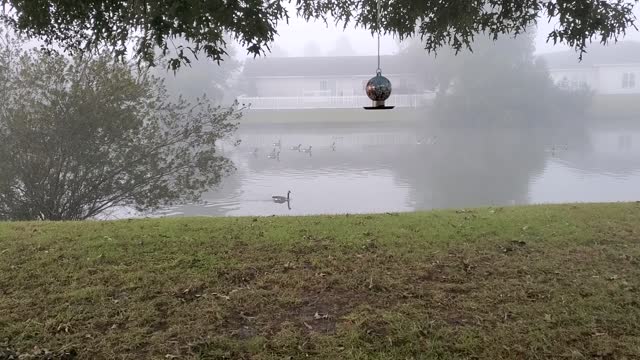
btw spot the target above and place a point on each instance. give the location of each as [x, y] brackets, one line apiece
[275, 154]
[277, 146]
[428, 141]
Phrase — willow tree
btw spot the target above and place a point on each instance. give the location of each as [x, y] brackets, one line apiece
[79, 136]
[81, 26]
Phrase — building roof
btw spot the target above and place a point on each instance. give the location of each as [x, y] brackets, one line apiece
[626, 52]
[322, 66]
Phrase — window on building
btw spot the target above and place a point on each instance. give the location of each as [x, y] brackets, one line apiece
[628, 80]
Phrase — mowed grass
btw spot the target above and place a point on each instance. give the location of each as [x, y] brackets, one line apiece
[537, 282]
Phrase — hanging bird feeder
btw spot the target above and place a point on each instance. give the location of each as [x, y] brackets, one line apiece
[378, 87]
[378, 90]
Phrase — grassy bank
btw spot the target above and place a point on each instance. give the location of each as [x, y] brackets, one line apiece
[536, 282]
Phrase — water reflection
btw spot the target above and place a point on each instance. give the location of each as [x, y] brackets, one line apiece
[402, 168]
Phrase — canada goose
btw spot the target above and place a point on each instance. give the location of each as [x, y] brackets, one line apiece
[296, 147]
[274, 155]
[281, 199]
[308, 150]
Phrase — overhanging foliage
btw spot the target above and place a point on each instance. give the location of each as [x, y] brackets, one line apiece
[81, 26]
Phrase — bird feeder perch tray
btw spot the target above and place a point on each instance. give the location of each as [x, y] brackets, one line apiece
[380, 107]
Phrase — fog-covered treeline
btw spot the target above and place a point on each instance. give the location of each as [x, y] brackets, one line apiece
[499, 81]
[201, 76]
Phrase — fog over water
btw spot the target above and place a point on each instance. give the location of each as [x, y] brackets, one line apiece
[515, 122]
[384, 169]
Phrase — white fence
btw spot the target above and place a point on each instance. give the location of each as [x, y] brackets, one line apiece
[332, 102]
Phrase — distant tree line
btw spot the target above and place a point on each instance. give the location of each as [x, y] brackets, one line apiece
[498, 82]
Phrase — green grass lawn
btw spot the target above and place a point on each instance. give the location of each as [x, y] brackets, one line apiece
[538, 282]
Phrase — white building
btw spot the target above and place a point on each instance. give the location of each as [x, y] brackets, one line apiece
[611, 70]
[326, 82]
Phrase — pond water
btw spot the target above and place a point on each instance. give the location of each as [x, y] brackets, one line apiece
[393, 168]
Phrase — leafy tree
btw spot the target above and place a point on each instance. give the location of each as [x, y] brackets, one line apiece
[90, 25]
[80, 136]
[311, 48]
[277, 51]
[205, 78]
[343, 47]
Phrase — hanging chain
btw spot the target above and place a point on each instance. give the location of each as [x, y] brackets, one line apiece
[378, 71]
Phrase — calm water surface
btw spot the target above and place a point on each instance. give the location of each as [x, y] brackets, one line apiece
[376, 168]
